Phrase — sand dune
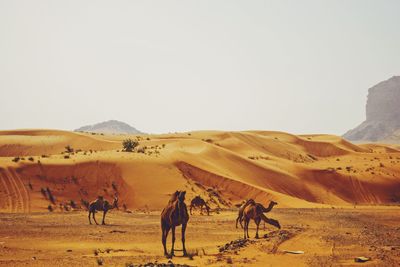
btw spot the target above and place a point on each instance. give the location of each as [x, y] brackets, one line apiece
[222, 167]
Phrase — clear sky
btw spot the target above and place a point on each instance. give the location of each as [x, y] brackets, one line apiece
[166, 66]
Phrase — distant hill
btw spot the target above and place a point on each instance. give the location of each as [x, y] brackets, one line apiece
[382, 122]
[109, 127]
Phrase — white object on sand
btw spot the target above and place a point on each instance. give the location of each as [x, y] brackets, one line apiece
[294, 251]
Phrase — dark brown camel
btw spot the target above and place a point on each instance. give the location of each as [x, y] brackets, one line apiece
[255, 211]
[199, 202]
[101, 205]
[251, 201]
[173, 215]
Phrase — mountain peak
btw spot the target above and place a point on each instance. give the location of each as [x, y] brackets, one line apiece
[109, 127]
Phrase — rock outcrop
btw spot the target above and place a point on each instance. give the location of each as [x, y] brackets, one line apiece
[110, 127]
[382, 122]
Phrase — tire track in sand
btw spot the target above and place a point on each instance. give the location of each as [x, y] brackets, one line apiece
[21, 189]
[7, 191]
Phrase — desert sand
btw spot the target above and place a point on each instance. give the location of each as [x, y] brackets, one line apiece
[337, 200]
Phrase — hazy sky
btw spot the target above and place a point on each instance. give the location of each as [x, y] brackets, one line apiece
[166, 66]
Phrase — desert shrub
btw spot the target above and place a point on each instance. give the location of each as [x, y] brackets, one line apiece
[312, 157]
[148, 138]
[50, 208]
[43, 191]
[74, 180]
[66, 157]
[129, 145]
[30, 159]
[100, 261]
[16, 159]
[72, 204]
[69, 149]
[395, 198]
[50, 195]
[44, 156]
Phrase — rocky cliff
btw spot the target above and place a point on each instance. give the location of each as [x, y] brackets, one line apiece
[382, 122]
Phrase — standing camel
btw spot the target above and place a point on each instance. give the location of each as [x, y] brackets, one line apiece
[255, 211]
[241, 209]
[251, 201]
[199, 202]
[101, 205]
[173, 215]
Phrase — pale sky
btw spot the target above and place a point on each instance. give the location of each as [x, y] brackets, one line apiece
[166, 66]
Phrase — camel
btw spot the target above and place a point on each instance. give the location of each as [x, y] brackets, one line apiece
[199, 202]
[173, 215]
[251, 201]
[255, 211]
[101, 205]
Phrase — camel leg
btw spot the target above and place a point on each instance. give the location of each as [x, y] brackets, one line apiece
[237, 220]
[165, 231]
[246, 228]
[191, 209]
[183, 239]
[173, 241]
[94, 217]
[241, 222]
[257, 221]
[104, 217]
[89, 218]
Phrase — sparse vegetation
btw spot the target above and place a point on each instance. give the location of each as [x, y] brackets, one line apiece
[16, 159]
[100, 261]
[31, 159]
[73, 204]
[129, 145]
[69, 149]
[50, 195]
[43, 191]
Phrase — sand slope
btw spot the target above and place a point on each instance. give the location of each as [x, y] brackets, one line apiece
[222, 167]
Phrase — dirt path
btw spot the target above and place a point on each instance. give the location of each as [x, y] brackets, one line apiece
[328, 237]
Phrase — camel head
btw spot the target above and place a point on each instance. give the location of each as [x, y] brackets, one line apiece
[181, 196]
[273, 203]
[250, 201]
